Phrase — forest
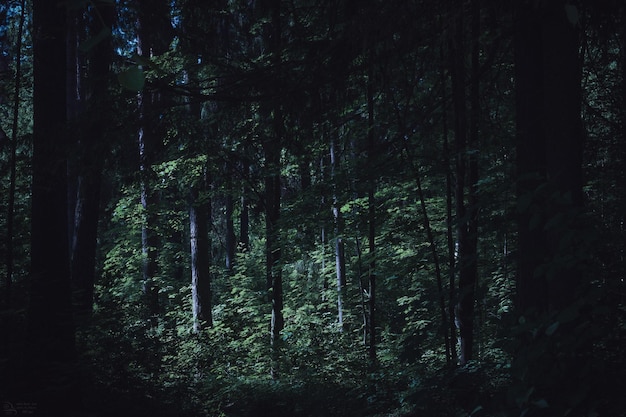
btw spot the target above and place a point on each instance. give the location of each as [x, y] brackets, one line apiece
[313, 208]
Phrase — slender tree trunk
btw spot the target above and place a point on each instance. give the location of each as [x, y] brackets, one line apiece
[272, 148]
[199, 214]
[154, 36]
[229, 205]
[371, 213]
[466, 242]
[435, 254]
[468, 223]
[12, 158]
[273, 245]
[340, 259]
[452, 296]
[244, 215]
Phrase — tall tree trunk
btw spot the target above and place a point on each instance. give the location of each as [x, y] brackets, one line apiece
[371, 211]
[452, 296]
[466, 233]
[457, 72]
[549, 143]
[50, 327]
[229, 205]
[435, 254]
[9, 261]
[340, 259]
[154, 36]
[272, 148]
[244, 215]
[92, 146]
[199, 215]
[468, 236]
[549, 150]
[531, 157]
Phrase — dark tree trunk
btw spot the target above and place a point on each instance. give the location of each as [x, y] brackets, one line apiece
[531, 156]
[466, 242]
[340, 259]
[244, 215]
[199, 216]
[452, 293]
[549, 152]
[272, 147]
[154, 36]
[549, 196]
[92, 146]
[371, 211]
[468, 248]
[48, 370]
[230, 238]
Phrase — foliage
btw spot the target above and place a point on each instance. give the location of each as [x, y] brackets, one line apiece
[317, 75]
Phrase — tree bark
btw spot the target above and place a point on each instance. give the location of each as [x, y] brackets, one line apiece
[464, 313]
[154, 36]
[48, 370]
[91, 148]
[549, 153]
[230, 238]
[272, 148]
[244, 215]
[199, 214]
[340, 259]
[371, 211]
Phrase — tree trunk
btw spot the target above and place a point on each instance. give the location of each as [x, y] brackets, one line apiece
[340, 259]
[50, 328]
[549, 152]
[272, 148]
[244, 215]
[464, 313]
[199, 215]
[371, 211]
[154, 36]
[452, 293]
[92, 146]
[230, 238]
[469, 230]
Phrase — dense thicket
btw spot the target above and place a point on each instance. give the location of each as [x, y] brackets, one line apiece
[255, 208]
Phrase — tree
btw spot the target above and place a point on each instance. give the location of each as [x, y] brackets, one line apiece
[549, 153]
[50, 329]
[91, 146]
[551, 286]
[154, 36]
[272, 147]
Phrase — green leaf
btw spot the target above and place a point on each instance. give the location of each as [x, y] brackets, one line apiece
[132, 79]
[541, 403]
[141, 60]
[95, 40]
[552, 328]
